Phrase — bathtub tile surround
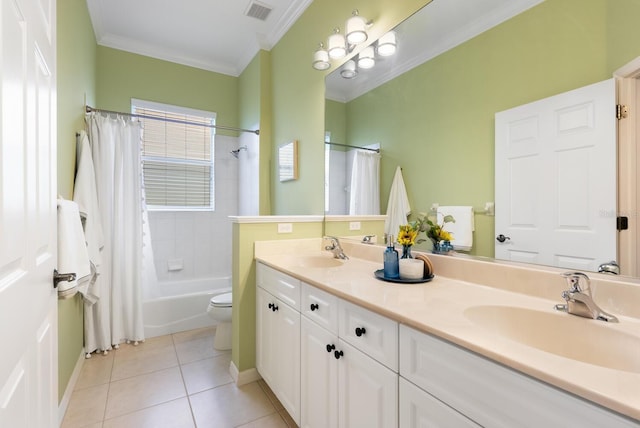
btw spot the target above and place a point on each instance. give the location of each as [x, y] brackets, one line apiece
[440, 308]
[200, 239]
[194, 390]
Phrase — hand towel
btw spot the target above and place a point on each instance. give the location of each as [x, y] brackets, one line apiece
[462, 229]
[72, 250]
[398, 207]
[85, 195]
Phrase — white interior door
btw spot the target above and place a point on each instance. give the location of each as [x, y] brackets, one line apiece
[556, 179]
[28, 302]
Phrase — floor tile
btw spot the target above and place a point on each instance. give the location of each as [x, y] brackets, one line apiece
[174, 414]
[95, 371]
[86, 407]
[206, 374]
[230, 405]
[271, 421]
[136, 393]
[155, 354]
[196, 346]
[272, 397]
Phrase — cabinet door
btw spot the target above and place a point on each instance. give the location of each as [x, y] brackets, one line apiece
[367, 391]
[266, 338]
[319, 376]
[418, 409]
[287, 358]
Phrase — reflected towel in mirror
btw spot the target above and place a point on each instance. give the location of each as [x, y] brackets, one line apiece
[398, 207]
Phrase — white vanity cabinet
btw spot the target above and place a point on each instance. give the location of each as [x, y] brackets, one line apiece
[278, 337]
[490, 394]
[341, 385]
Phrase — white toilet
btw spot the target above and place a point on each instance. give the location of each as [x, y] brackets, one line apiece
[220, 310]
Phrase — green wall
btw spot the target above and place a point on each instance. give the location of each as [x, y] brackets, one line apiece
[122, 75]
[298, 93]
[76, 59]
[437, 120]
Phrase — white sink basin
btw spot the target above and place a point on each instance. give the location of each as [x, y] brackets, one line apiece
[569, 336]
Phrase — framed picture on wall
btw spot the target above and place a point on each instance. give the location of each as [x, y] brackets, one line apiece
[288, 161]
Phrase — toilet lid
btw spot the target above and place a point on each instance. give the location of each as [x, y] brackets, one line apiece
[221, 300]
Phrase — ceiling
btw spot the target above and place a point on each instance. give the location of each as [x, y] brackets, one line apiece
[215, 35]
[433, 30]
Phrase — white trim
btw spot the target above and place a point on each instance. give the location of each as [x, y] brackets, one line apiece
[64, 402]
[628, 160]
[277, 219]
[247, 376]
[331, 218]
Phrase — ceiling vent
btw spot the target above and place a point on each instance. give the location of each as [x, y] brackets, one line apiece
[258, 10]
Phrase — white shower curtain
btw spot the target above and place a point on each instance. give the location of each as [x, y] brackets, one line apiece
[365, 183]
[115, 151]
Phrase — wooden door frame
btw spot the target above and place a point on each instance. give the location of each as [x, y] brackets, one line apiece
[628, 160]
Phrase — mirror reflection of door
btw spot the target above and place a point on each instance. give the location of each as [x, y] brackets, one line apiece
[555, 179]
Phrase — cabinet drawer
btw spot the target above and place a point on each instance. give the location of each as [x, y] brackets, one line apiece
[420, 409]
[491, 394]
[369, 332]
[320, 307]
[284, 287]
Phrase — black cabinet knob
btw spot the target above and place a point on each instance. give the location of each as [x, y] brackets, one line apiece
[338, 354]
[274, 307]
[331, 347]
[360, 331]
[314, 306]
[270, 305]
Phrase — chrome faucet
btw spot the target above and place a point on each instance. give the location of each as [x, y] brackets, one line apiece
[368, 239]
[609, 267]
[579, 301]
[335, 248]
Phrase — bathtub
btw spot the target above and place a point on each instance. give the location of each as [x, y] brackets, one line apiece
[174, 306]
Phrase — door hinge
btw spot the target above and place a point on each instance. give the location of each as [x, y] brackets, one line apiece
[622, 223]
[622, 111]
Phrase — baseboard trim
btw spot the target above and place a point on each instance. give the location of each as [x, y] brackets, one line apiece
[66, 397]
[244, 377]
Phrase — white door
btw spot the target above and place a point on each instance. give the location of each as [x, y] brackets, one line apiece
[555, 179]
[319, 376]
[28, 301]
[367, 391]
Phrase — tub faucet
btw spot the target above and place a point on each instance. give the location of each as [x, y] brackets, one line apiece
[579, 301]
[335, 248]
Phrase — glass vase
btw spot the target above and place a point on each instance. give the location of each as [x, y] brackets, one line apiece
[442, 247]
[406, 252]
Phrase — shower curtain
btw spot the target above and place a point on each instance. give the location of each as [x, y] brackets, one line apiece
[365, 183]
[116, 316]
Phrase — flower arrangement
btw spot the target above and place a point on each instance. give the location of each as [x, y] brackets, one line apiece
[434, 231]
[407, 235]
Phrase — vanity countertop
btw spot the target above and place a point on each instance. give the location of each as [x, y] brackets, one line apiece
[442, 307]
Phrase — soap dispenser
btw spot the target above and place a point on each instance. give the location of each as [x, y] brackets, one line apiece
[391, 265]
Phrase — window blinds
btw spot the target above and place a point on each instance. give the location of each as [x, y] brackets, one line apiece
[177, 159]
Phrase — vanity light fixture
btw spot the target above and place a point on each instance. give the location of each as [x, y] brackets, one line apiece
[337, 45]
[387, 44]
[349, 70]
[321, 58]
[366, 59]
[356, 29]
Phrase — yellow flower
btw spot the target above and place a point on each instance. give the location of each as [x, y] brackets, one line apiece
[445, 236]
[407, 235]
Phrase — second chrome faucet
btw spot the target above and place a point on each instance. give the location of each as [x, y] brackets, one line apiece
[579, 300]
[335, 248]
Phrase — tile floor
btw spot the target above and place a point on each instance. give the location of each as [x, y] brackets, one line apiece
[172, 381]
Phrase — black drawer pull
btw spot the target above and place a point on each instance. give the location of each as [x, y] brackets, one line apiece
[314, 307]
[331, 347]
[360, 331]
[338, 354]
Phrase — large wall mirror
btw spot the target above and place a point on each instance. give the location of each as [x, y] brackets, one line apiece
[431, 108]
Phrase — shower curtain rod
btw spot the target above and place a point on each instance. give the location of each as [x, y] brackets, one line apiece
[185, 122]
[353, 147]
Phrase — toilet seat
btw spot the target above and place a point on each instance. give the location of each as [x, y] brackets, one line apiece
[221, 300]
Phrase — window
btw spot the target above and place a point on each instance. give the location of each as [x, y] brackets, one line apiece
[177, 158]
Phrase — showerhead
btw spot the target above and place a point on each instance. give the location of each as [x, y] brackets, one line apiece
[235, 153]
